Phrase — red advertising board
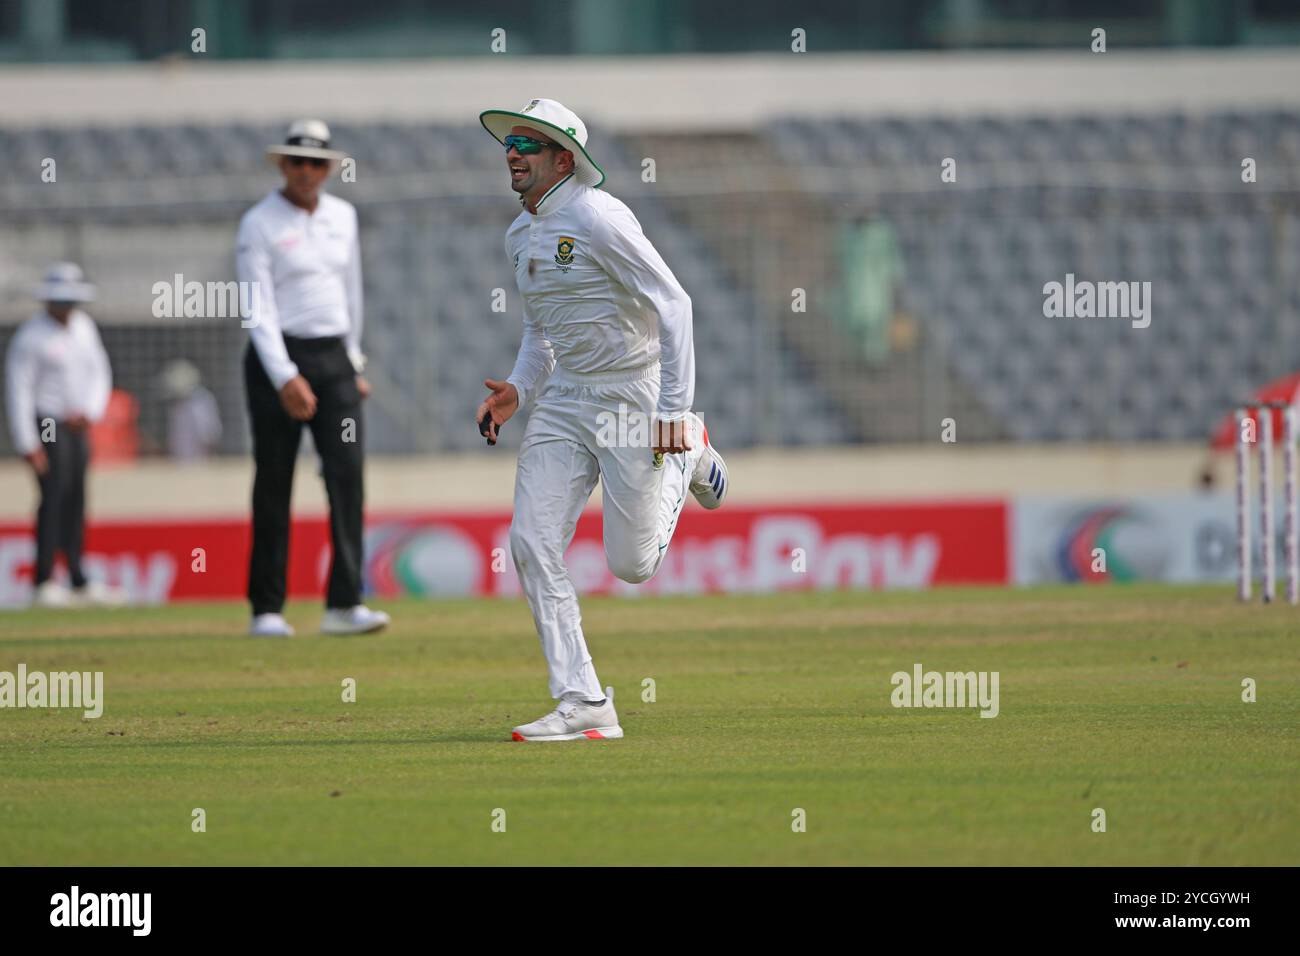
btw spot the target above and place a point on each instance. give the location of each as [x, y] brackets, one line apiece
[874, 545]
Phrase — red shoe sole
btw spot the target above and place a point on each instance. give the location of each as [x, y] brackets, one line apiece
[589, 734]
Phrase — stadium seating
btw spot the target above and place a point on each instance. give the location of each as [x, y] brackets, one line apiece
[1104, 197]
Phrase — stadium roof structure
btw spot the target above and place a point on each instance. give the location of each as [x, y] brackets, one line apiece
[656, 92]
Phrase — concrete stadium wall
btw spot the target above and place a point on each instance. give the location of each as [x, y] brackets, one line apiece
[716, 93]
[221, 488]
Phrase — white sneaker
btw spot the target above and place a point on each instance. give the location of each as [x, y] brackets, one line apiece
[99, 594]
[709, 477]
[51, 594]
[269, 625]
[574, 720]
[353, 620]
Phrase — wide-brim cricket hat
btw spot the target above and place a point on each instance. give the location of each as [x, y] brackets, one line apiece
[306, 137]
[559, 123]
[64, 282]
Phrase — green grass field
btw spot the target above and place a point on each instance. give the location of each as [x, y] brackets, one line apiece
[1124, 698]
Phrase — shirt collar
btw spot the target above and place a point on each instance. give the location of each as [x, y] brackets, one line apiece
[54, 323]
[555, 197]
[284, 201]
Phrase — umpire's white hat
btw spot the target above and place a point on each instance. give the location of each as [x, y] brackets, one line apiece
[559, 123]
[64, 282]
[309, 138]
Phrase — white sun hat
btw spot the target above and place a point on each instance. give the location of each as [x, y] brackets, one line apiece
[179, 377]
[64, 282]
[559, 123]
[306, 137]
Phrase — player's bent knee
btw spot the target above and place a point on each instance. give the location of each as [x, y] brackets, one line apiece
[634, 571]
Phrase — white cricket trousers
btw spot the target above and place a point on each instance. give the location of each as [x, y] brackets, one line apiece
[563, 452]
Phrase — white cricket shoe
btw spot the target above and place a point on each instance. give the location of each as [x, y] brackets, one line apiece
[357, 619]
[51, 594]
[709, 477]
[574, 720]
[269, 625]
[99, 594]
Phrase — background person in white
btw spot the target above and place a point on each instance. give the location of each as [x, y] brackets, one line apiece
[299, 250]
[193, 417]
[607, 331]
[57, 382]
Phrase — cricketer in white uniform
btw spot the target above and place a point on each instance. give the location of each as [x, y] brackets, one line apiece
[607, 338]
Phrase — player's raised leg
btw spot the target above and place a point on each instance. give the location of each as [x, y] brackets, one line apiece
[644, 494]
[642, 499]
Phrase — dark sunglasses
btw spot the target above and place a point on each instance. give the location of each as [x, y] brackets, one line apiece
[314, 161]
[526, 145]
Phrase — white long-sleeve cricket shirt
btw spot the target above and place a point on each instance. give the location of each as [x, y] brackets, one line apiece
[54, 371]
[307, 270]
[597, 296]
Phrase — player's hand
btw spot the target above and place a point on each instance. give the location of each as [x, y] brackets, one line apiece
[39, 462]
[298, 399]
[671, 437]
[76, 423]
[496, 409]
[363, 386]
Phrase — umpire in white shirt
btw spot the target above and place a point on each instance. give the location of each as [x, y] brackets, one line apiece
[57, 383]
[299, 247]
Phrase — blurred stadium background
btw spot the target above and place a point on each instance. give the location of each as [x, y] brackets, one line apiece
[774, 171]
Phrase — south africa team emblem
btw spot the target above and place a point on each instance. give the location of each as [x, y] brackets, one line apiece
[564, 251]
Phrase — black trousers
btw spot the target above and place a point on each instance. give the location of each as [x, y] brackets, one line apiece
[336, 430]
[61, 517]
